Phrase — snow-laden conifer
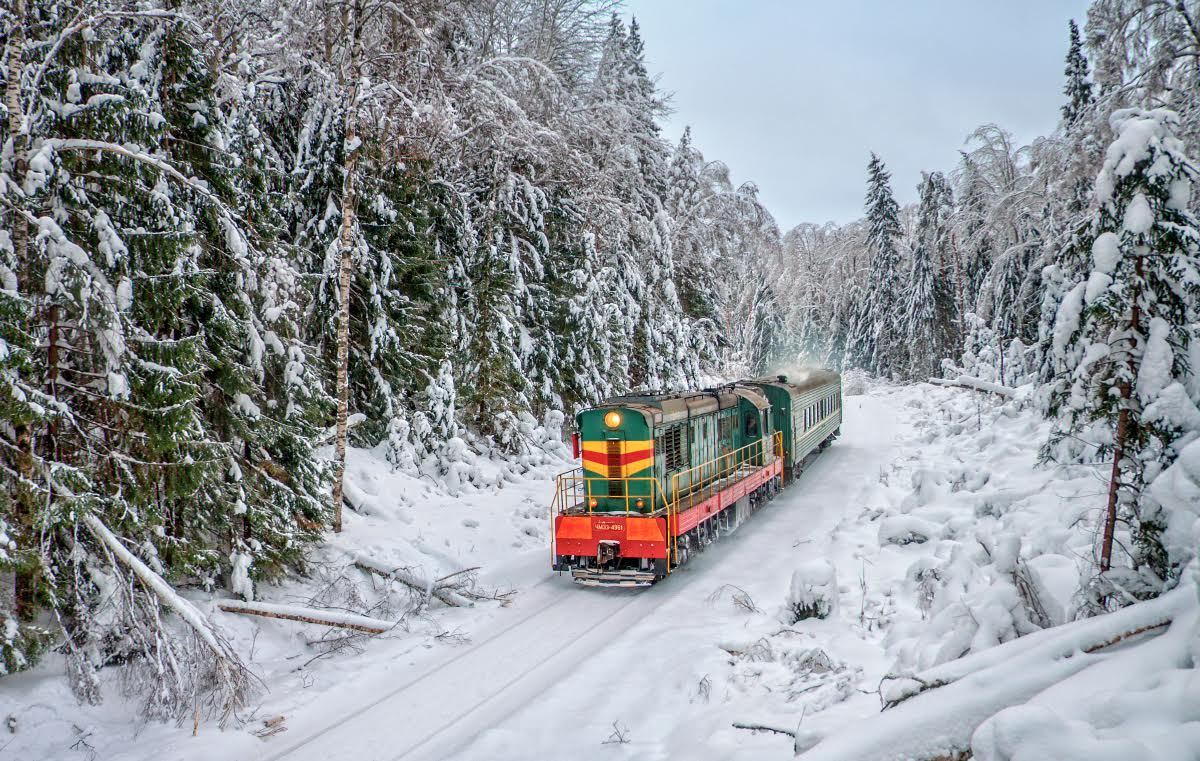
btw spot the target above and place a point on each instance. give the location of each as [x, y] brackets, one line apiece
[875, 339]
[1122, 333]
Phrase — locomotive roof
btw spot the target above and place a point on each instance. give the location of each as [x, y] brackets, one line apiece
[667, 408]
[812, 380]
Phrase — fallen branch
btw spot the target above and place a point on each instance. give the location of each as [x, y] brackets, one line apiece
[165, 592]
[308, 615]
[765, 728]
[225, 680]
[442, 590]
[442, 581]
[966, 381]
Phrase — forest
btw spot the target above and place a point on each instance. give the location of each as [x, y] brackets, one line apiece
[238, 236]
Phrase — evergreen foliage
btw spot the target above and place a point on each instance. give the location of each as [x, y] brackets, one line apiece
[1078, 88]
[875, 338]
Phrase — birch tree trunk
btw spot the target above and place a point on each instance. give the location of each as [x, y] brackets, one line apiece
[23, 580]
[346, 261]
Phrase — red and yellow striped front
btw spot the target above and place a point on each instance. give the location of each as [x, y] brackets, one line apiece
[615, 458]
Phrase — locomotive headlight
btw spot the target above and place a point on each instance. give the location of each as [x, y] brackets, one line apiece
[641, 503]
[612, 419]
[593, 502]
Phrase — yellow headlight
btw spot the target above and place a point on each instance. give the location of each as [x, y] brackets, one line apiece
[612, 419]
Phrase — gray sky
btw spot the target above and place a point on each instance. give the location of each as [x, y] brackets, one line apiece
[794, 95]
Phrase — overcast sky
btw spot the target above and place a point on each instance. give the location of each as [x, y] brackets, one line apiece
[795, 94]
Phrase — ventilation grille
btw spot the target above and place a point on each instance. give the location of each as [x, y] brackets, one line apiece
[616, 487]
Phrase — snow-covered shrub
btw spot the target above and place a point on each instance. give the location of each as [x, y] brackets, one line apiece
[906, 529]
[813, 592]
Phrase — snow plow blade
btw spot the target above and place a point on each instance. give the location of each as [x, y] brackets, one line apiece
[589, 577]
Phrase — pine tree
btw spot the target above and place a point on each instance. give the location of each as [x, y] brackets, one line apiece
[1078, 88]
[1122, 334]
[875, 338]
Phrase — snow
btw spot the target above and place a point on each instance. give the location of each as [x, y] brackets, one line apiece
[1139, 218]
[1178, 490]
[1106, 252]
[907, 529]
[239, 581]
[1157, 361]
[546, 674]
[1066, 321]
[246, 405]
[1137, 132]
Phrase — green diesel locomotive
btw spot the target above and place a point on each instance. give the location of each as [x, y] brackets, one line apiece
[663, 475]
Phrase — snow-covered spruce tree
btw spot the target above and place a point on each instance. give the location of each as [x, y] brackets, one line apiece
[973, 232]
[927, 315]
[693, 208]
[875, 342]
[767, 332]
[1122, 335]
[1078, 88]
[23, 408]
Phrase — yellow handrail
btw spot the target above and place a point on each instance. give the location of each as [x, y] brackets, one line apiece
[724, 465]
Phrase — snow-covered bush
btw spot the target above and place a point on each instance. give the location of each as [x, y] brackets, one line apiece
[813, 592]
[906, 529]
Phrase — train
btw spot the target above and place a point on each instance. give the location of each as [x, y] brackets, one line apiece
[663, 475]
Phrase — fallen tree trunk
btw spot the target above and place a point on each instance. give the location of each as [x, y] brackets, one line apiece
[444, 589]
[308, 615]
[1086, 636]
[975, 384]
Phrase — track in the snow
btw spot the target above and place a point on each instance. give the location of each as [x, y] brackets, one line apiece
[518, 662]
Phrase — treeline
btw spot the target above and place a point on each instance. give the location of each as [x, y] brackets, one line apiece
[232, 229]
[1069, 265]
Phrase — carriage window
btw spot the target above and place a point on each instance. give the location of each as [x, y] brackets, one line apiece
[674, 452]
[751, 425]
[725, 428]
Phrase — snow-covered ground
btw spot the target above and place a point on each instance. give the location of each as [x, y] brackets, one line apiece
[942, 538]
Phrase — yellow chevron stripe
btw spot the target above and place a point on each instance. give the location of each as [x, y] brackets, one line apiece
[628, 470]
